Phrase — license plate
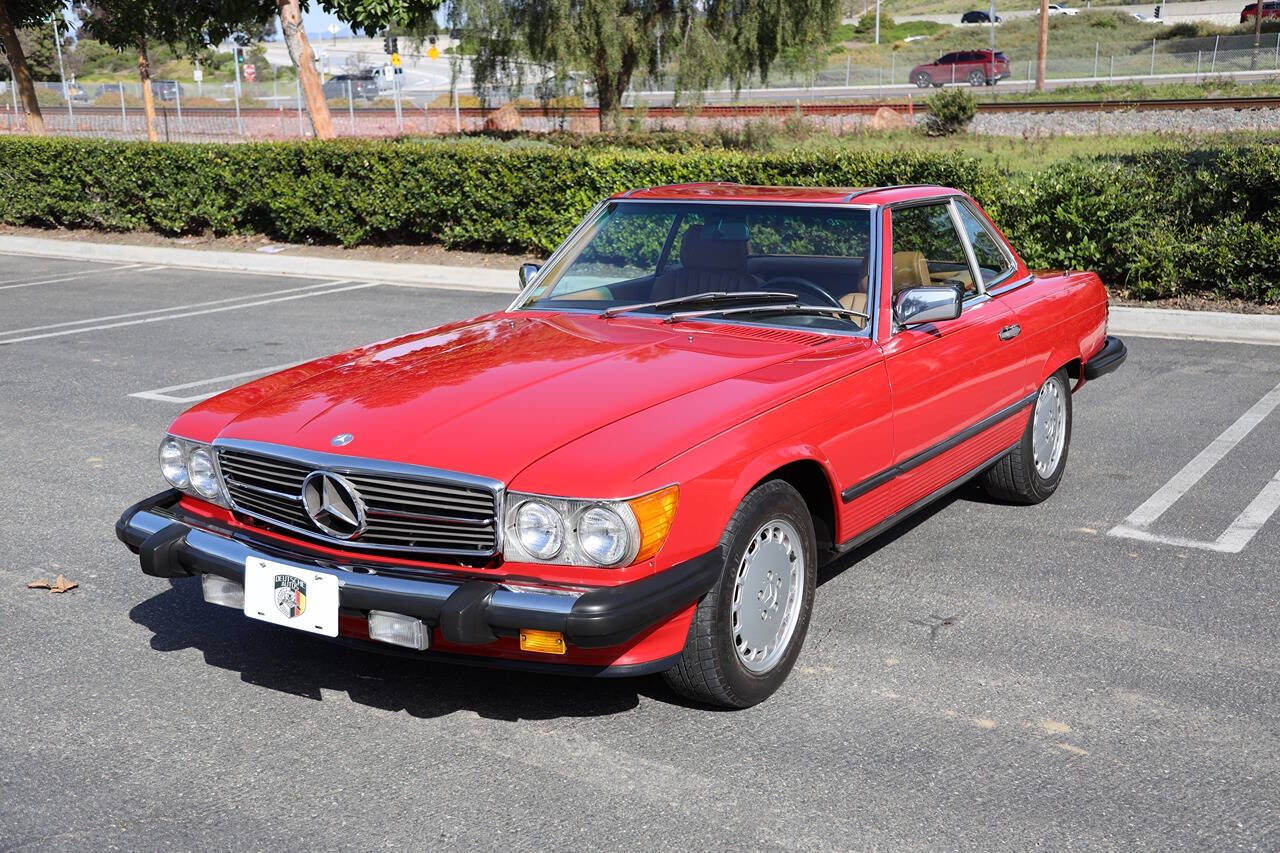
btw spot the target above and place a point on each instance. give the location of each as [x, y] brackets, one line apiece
[295, 598]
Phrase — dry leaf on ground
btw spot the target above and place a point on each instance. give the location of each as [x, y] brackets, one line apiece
[38, 584]
[62, 585]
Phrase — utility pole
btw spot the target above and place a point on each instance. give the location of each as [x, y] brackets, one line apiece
[877, 22]
[62, 73]
[1043, 46]
[991, 15]
[1257, 33]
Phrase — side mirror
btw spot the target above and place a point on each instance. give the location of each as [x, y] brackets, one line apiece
[528, 272]
[921, 305]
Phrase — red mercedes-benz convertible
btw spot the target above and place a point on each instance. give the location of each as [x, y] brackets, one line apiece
[707, 392]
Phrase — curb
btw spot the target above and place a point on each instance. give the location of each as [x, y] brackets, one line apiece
[418, 275]
[1218, 326]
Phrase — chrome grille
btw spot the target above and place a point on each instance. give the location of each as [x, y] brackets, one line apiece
[408, 509]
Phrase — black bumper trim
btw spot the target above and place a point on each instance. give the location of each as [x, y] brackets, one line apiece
[1107, 359]
[172, 543]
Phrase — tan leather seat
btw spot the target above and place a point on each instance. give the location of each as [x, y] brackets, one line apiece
[910, 269]
[707, 264]
[856, 301]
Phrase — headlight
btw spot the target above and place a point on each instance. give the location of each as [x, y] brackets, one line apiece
[584, 532]
[173, 464]
[189, 467]
[602, 535]
[204, 479]
[540, 529]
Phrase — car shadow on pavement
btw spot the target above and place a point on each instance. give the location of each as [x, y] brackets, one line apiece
[290, 662]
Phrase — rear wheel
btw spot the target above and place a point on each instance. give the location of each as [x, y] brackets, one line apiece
[748, 630]
[923, 80]
[1030, 472]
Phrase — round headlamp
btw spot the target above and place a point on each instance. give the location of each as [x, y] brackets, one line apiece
[602, 535]
[173, 464]
[540, 529]
[204, 478]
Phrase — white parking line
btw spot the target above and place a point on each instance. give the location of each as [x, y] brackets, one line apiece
[1246, 524]
[73, 276]
[25, 275]
[184, 314]
[162, 395]
[107, 317]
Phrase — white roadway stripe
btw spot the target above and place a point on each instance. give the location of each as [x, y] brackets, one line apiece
[182, 315]
[103, 266]
[73, 276]
[334, 283]
[162, 395]
[1191, 473]
[1245, 526]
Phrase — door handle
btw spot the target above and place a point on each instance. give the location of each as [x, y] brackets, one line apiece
[1008, 333]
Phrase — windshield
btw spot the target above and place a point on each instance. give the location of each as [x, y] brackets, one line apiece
[638, 253]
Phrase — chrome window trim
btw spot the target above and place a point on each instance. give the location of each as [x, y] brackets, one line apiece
[873, 251]
[1013, 285]
[340, 464]
[1011, 265]
[948, 199]
[975, 273]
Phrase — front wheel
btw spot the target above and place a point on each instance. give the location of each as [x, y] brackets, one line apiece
[977, 78]
[923, 80]
[1030, 473]
[748, 630]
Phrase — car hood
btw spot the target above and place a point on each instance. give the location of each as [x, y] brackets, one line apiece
[492, 395]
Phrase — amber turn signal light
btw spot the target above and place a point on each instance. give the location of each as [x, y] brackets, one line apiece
[546, 642]
[654, 513]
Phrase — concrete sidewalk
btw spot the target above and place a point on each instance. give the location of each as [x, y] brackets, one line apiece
[1136, 322]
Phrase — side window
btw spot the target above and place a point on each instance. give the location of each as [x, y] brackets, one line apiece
[927, 251]
[992, 261]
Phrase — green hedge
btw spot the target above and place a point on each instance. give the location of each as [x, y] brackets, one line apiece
[1168, 222]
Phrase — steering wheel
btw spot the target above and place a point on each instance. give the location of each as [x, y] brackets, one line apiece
[804, 283]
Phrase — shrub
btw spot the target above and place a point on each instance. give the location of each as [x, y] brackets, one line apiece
[950, 111]
[1161, 223]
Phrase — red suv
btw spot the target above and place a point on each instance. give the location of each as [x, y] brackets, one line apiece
[1270, 9]
[975, 66]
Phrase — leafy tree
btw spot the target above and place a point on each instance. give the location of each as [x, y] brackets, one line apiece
[16, 14]
[187, 27]
[701, 42]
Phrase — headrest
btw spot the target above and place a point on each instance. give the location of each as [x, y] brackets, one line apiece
[723, 248]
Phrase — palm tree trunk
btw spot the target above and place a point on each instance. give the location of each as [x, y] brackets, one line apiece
[148, 99]
[21, 72]
[305, 63]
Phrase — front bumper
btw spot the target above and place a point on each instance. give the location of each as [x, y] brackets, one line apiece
[467, 611]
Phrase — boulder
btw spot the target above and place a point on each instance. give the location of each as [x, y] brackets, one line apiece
[505, 118]
[887, 119]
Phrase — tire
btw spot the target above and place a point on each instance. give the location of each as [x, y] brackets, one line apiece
[721, 664]
[977, 78]
[1029, 474]
[923, 80]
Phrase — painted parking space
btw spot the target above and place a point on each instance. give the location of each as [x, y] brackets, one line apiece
[20, 269]
[981, 674]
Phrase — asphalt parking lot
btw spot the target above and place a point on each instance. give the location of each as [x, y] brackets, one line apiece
[981, 676]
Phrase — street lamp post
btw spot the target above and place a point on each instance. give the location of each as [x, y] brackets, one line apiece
[62, 74]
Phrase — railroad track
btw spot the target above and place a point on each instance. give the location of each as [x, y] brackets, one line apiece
[823, 108]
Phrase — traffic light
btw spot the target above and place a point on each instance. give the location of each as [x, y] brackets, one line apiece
[386, 45]
[395, 45]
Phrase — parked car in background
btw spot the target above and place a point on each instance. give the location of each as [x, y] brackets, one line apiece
[1057, 9]
[361, 86]
[975, 67]
[706, 394]
[167, 90]
[107, 89]
[77, 94]
[1270, 9]
[977, 16]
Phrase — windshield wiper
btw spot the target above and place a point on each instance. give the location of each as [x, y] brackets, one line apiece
[766, 296]
[767, 309]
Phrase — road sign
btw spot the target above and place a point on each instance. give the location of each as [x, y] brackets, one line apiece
[433, 52]
[249, 72]
[198, 74]
[395, 60]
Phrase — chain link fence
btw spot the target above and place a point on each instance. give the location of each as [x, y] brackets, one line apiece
[377, 104]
